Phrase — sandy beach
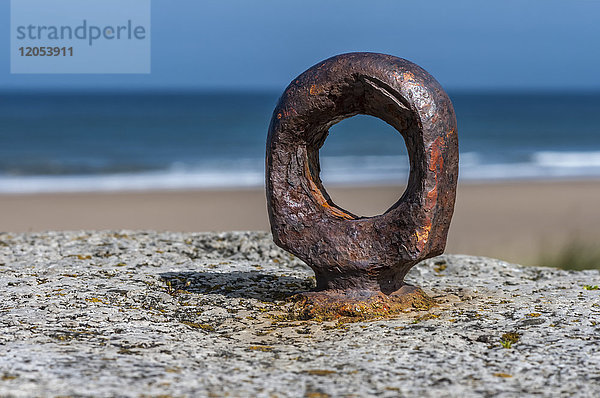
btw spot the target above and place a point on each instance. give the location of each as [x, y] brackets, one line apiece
[516, 221]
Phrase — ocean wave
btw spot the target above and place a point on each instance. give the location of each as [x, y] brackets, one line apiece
[567, 159]
[168, 180]
[336, 170]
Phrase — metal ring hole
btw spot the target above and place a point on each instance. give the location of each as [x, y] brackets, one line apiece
[359, 154]
[365, 96]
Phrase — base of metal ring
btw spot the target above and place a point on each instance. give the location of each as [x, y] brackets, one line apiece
[357, 305]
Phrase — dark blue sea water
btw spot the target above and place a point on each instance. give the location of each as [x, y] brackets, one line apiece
[75, 142]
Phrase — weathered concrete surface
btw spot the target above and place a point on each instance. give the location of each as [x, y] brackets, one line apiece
[146, 314]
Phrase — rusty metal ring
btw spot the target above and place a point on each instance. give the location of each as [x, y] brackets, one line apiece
[350, 253]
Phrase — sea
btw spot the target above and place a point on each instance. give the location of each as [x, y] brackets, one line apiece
[75, 142]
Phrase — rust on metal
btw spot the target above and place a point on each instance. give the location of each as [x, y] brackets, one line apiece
[361, 259]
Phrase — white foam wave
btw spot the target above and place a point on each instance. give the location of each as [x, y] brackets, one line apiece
[131, 182]
[542, 164]
[567, 159]
[340, 170]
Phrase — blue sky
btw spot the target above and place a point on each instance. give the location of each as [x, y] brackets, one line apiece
[264, 44]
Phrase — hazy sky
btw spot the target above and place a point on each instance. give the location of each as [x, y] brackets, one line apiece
[264, 44]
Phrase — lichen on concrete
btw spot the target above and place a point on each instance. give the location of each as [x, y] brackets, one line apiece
[123, 313]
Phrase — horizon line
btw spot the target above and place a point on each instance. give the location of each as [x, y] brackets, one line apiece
[91, 91]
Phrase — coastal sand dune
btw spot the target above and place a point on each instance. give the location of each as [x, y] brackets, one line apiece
[515, 221]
